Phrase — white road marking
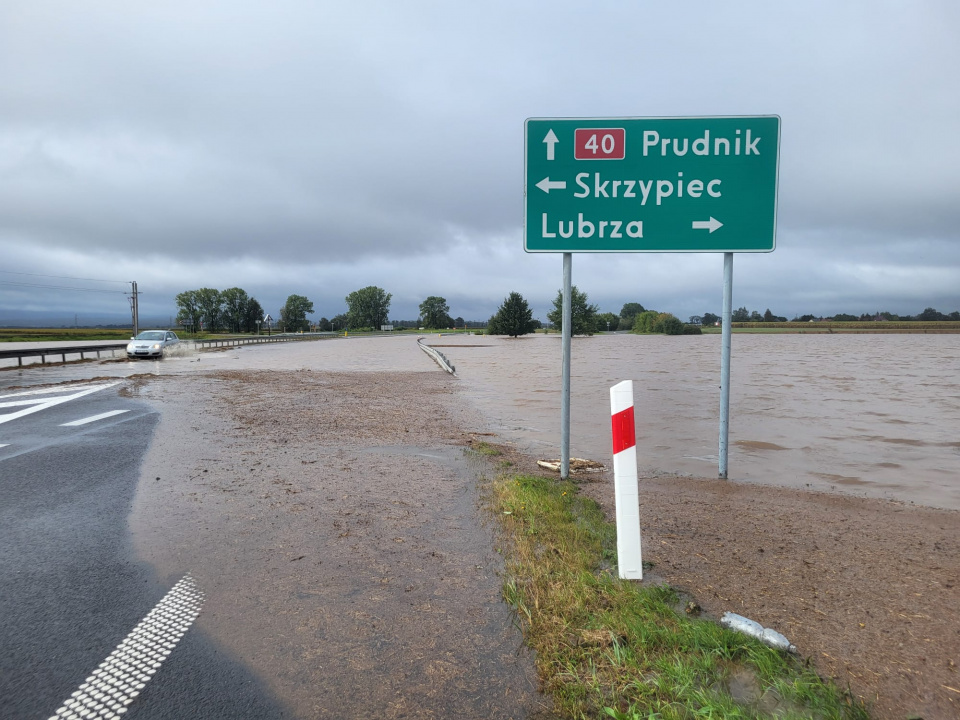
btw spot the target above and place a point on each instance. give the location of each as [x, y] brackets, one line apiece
[37, 404]
[94, 418]
[4, 444]
[120, 678]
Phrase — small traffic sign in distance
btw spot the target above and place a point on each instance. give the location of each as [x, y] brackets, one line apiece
[599, 143]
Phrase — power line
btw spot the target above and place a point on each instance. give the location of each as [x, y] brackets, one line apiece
[62, 287]
[62, 277]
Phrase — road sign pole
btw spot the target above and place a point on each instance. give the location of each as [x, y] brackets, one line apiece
[725, 332]
[566, 334]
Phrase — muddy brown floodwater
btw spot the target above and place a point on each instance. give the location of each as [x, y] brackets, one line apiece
[822, 427]
[320, 495]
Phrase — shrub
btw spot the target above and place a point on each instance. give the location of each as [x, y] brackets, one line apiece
[645, 321]
[669, 325]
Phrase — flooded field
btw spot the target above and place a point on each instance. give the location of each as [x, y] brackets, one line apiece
[875, 415]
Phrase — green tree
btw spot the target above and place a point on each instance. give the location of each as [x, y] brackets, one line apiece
[654, 322]
[293, 314]
[235, 301]
[339, 322]
[514, 317]
[710, 319]
[930, 315]
[645, 322]
[607, 321]
[740, 315]
[628, 314]
[252, 315]
[583, 315]
[189, 313]
[211, 309]
[435, 312]
[368, 307]
[669, 324]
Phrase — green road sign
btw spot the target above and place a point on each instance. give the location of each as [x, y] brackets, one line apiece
[699, 184]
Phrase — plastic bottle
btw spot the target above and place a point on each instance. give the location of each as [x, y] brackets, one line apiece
[754, 629]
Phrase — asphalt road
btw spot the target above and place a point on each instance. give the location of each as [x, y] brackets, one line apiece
[71, 589]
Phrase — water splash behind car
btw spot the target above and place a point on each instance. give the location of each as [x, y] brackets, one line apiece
[151, 343]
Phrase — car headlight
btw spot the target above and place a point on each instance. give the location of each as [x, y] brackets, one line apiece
[157, 346]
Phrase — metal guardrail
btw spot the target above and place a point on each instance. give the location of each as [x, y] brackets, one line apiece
[438, 356]
[43, 353]
[84, 350]
[259, 339]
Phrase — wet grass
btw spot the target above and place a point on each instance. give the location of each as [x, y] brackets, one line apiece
[607, 647]
[484, 448]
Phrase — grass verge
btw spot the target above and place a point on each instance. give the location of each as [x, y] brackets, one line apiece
[607, 647]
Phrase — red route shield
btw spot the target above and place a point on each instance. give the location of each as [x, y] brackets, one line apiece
[599, 143]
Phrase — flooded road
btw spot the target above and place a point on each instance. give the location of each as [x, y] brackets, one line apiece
[874, 415]
[319, 494]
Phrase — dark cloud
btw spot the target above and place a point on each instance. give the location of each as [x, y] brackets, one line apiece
[377, 143]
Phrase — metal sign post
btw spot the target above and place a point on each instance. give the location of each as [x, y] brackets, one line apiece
[566, 335]
[725, 331]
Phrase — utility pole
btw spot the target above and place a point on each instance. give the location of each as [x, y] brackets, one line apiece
[135, 308]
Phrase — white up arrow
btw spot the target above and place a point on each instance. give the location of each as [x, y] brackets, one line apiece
[711, 224]
[547, 185]
[550, 140]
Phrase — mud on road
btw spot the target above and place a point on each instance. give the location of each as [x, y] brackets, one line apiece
[332, 519]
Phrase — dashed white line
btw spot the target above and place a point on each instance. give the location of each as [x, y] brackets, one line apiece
[93, 418]
[4, 444]
[120, 678]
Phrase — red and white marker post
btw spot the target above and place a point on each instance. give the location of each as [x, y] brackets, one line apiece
[625, 481]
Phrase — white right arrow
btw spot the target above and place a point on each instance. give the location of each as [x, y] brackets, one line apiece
[711, 224]
[550, 140]
[547, 185]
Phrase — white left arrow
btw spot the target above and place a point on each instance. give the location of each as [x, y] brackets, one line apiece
[550, 140]
[711, 224]
[547, 185]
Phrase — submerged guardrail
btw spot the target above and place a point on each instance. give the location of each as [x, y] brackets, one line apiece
[440, 358]
[83, 351]
[259, 339]
[43, 353]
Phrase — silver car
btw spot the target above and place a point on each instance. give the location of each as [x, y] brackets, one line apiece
[151, 343]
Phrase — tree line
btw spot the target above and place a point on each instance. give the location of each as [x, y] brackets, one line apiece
[743, 315]
[514, 318]
[234, 310]
[214, 310]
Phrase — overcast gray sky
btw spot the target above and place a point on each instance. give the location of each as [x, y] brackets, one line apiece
[309, 147]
